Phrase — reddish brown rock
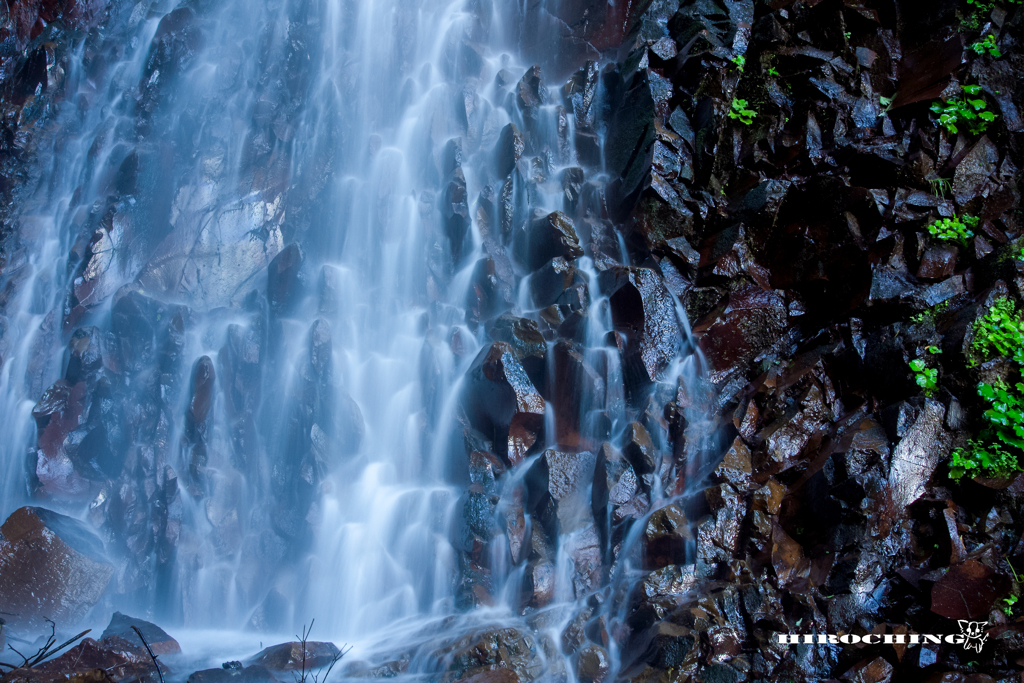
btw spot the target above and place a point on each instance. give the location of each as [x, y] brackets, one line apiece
[291, 657]
[665, 538]
[968, 591]
[938, 262]
[50, 566]
[502, 403]
[59, 413]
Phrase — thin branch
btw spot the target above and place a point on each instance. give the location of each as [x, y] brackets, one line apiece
[150, 651]
[46, 655]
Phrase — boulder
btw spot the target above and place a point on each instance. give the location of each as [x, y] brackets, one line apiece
[546, 237]
[529, 344]
[50, 566]
[502, 403]
[292, 657]
[579, 390]
[508, 150]
[916, 456]
[666, 537]
[644, 311]
[120, 626]
[59, 415]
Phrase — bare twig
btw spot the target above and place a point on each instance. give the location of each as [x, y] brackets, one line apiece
[150, 651]
[45, 652]
[334, 660]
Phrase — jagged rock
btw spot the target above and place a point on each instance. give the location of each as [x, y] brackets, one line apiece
[538, 584]
[547, 237]
[639, 449]
[975, 170]
[968, 591]
[529, 344]
[508, 150]
[666, 537]
[876, 670]
[566, 478]
[579, 390]
[501, 402]
[549, 282]
[916, 456]
[59, 414]
[751, 322]
[284, 280]
[491, 288]
[120, 626]
[644, 311]
[505, 648]
[50, 566]
[572, 188]
[249, 674]
[592, 664]
[290, 656]
[938, 262]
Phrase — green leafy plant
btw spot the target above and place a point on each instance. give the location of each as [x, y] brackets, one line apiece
[926, 378]
[968, 109]
[1000, 330]
[981, 459]
[930, 313]
[1005, 414]
[773, 72]
[739, 111]
[987, 45]
[954, 229]
[740, 61]
[1010, 602]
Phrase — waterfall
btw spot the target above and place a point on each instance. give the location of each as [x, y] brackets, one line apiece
[274, 256]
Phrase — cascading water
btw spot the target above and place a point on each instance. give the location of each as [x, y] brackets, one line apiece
[281, 237]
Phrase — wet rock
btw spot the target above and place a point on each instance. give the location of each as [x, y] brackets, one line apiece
[529, 344]
[491, 288]
[538, 587]
[579, 390]
[508, 151]
[579, 93]
[120, 626]
[50, 566]
[501, 402]
[549, 282]
[592, 664]
[175, 43]
[492, 676]
[59, 414]
[751, 322]
[916, 456]
[938, 262]
[974, 171]
[968, 591]
[735, 467]
[284, 280]
[249, 674]
[494, 650]
[84, 357]
[666, 537]
[547, 237]
[572, 188]
[644, 311]
[566, 478]
[874, 671]
[197, 423]
[639, 449]
[291, 657]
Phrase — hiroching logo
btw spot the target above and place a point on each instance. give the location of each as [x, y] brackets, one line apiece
[974, 634]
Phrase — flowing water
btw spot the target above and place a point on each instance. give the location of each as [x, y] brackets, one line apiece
[311, 447]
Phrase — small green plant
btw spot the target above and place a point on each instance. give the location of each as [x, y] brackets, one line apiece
[980, 459]
[966, 110]
[1010, 602]
[987, 45]
[954, 229]
[1001, 330]
[1005, 414]
[773, 72]
[739, 111]
[886, 104]
[930, 313]
[940, 186]
[740, 61]
[847, 34]
[925, 377]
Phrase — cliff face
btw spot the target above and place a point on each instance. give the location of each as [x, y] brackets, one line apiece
[774, 170]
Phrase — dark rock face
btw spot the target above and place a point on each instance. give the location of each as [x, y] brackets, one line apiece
[502, 403]
[50, 566]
